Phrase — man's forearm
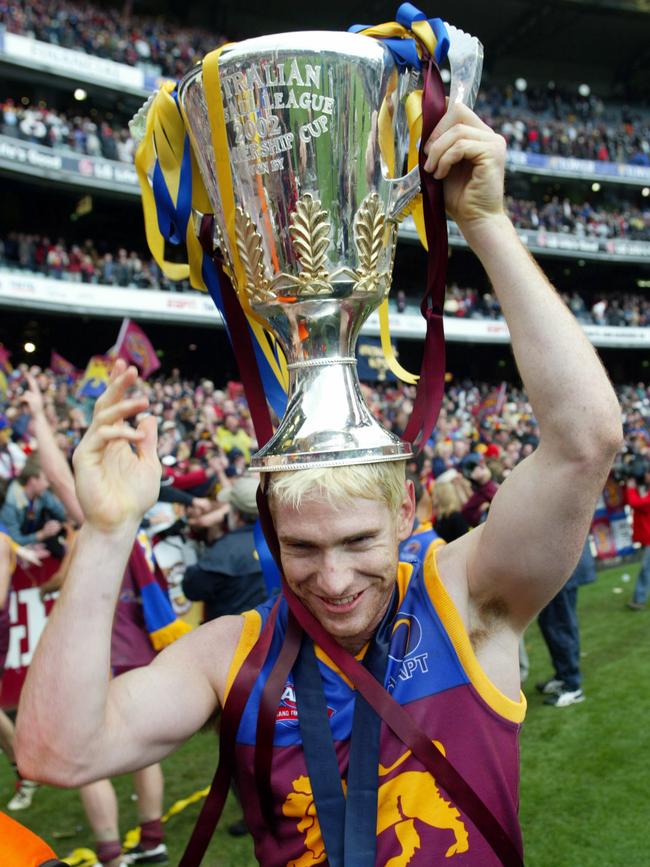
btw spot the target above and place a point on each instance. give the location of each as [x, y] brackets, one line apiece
[72, 662]
[573, 400]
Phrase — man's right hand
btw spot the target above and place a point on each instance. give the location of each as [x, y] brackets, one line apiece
[117, 470]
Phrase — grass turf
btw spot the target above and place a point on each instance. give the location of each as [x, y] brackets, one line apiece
[585, 769]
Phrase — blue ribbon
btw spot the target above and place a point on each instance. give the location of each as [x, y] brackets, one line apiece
[173, 218]
[404, 51]
[270, 571]
[274, 392]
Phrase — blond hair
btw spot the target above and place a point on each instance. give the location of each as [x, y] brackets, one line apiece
[339, 486]
[450, 497]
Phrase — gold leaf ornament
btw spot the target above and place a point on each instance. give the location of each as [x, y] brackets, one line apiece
[310, 235]
[251, 254]
[369, 225]
[371, 240]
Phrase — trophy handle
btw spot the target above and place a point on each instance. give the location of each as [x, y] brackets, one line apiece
[465, 58]
[401, 192]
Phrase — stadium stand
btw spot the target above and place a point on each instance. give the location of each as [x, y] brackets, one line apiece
[592, 229]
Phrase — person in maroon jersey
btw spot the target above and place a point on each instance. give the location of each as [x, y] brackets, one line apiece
[341, 562]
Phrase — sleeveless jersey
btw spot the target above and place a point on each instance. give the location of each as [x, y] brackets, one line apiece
[433, 672]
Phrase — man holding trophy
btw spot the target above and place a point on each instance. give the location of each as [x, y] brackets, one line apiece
[373, 711]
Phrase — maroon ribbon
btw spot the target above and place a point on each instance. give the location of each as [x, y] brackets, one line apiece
[268, 711]
[431, 386]
[240, 338]
[230, 719]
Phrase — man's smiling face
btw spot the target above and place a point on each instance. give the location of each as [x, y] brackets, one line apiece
[341, 562]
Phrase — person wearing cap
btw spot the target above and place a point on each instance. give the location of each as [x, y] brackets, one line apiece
[446, 633]
[228, 577]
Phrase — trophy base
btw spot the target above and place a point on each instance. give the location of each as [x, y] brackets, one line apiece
[327, 423]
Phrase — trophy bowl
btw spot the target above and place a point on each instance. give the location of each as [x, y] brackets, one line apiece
[316, 135]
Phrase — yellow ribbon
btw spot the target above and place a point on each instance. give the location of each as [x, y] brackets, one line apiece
[259, 326]
[424, 37]
[164, 141]
[387, 346]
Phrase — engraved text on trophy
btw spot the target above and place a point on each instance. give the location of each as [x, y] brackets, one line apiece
[252, 96]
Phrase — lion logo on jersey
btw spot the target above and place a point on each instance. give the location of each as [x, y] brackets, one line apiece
[403, 800]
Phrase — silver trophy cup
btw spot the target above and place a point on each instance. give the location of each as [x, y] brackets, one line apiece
[316, 134]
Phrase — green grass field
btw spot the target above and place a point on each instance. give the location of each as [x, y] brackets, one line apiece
[585, 791]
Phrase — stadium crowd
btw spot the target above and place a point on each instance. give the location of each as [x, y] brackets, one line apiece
[607, 308]
[555, 121]
[114, 34]
[206, 431]
[83, 263]
[550, 120]
[581, 219]
[43, 125]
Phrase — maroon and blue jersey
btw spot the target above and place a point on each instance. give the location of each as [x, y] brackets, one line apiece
[432, 671]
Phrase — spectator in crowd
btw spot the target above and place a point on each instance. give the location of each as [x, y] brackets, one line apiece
[10, 552]
[230, 435]
[638, 498]
[228, 578]
[450, 493]
[31, 513]
[558, 623]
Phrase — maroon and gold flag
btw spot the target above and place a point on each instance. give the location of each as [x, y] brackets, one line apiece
[63, 367]
[134, 346]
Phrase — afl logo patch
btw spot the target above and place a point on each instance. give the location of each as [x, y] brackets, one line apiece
[407, 636]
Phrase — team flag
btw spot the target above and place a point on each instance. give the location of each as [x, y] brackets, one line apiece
[5, 364]
[493, 404]
[63, 367]
[95, 377]
[134, 346]
[6, 369]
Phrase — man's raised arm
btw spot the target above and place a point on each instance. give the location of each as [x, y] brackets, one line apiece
[74, 724]
[540, 517]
